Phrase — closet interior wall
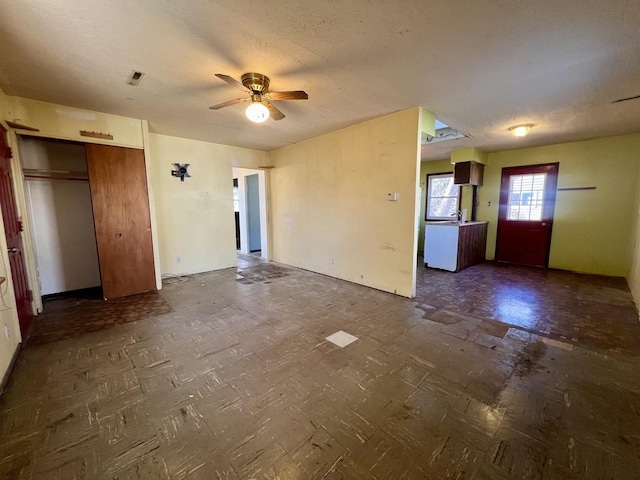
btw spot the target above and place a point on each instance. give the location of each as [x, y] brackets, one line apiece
[60, 214]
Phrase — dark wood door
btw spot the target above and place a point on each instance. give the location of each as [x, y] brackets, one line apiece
[118, 183]
[13, 232]
[527, 202]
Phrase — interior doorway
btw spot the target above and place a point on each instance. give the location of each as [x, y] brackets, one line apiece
[251, 200]
[253, 212]
[525, 220]
[236, 211]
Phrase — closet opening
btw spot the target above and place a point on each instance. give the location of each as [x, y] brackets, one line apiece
[60, 216]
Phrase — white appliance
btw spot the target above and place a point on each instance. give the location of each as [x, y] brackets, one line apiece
[441, 245]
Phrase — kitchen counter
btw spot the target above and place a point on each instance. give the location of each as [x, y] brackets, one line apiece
[455, 224]
[454, 246]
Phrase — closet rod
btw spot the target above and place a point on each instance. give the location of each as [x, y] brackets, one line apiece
[57, 178]
[54, 174]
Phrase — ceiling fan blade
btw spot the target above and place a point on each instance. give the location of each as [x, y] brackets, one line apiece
[293, 95]
[232, 81]
[230, 102]
[275, 113]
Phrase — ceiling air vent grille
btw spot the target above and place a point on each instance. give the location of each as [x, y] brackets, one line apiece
[134, 78]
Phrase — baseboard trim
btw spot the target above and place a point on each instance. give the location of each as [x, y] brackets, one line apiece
[5, 377]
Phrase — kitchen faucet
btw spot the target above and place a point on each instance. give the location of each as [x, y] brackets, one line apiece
[457, 214]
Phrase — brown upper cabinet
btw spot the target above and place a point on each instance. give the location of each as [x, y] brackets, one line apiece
[468, 173]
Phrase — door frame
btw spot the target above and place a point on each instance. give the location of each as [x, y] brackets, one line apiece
[263, 187]
[23, 305]
[251, 197]
[23, 211]
[549, 202]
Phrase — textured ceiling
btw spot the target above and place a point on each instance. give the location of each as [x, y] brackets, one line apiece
[480, 66]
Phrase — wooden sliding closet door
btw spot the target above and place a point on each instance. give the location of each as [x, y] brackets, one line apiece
[118, 183]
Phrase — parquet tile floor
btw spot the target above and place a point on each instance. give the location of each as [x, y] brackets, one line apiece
[491, 373]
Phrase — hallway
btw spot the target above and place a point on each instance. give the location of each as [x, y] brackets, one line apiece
[492, 373]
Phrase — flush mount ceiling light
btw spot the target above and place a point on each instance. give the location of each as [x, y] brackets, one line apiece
[521, 130]
[257, 112]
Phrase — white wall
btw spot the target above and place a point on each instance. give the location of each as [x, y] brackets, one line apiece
[61, 217]
[195, 217]
[329, 200]
[241, 174]
[63, 235]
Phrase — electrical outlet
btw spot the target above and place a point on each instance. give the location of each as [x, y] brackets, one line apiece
[6, 332]
[333, 260]
[178, 259]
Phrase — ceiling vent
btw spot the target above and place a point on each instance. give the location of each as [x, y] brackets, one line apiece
[134, 78]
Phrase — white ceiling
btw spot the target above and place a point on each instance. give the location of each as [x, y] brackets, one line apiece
[479, 65]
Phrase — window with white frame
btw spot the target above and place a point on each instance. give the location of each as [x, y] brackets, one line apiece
[443, 197]
[526, 197]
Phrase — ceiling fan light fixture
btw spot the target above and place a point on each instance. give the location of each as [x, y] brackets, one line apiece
[521, 130]
[257, 112]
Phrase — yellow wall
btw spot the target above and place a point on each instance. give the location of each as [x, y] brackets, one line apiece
[59, 121]
[633, 275]
[9, 325]
[592, 228]
[195, 217]
[329, 199]
[469, 154]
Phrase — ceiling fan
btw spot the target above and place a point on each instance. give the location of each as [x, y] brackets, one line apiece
[257, 85]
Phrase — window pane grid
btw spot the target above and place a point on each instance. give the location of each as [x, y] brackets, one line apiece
[526, 197]
[442, 200]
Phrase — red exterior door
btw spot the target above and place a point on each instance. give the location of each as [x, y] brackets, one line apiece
[13, 232]
[527, 201]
